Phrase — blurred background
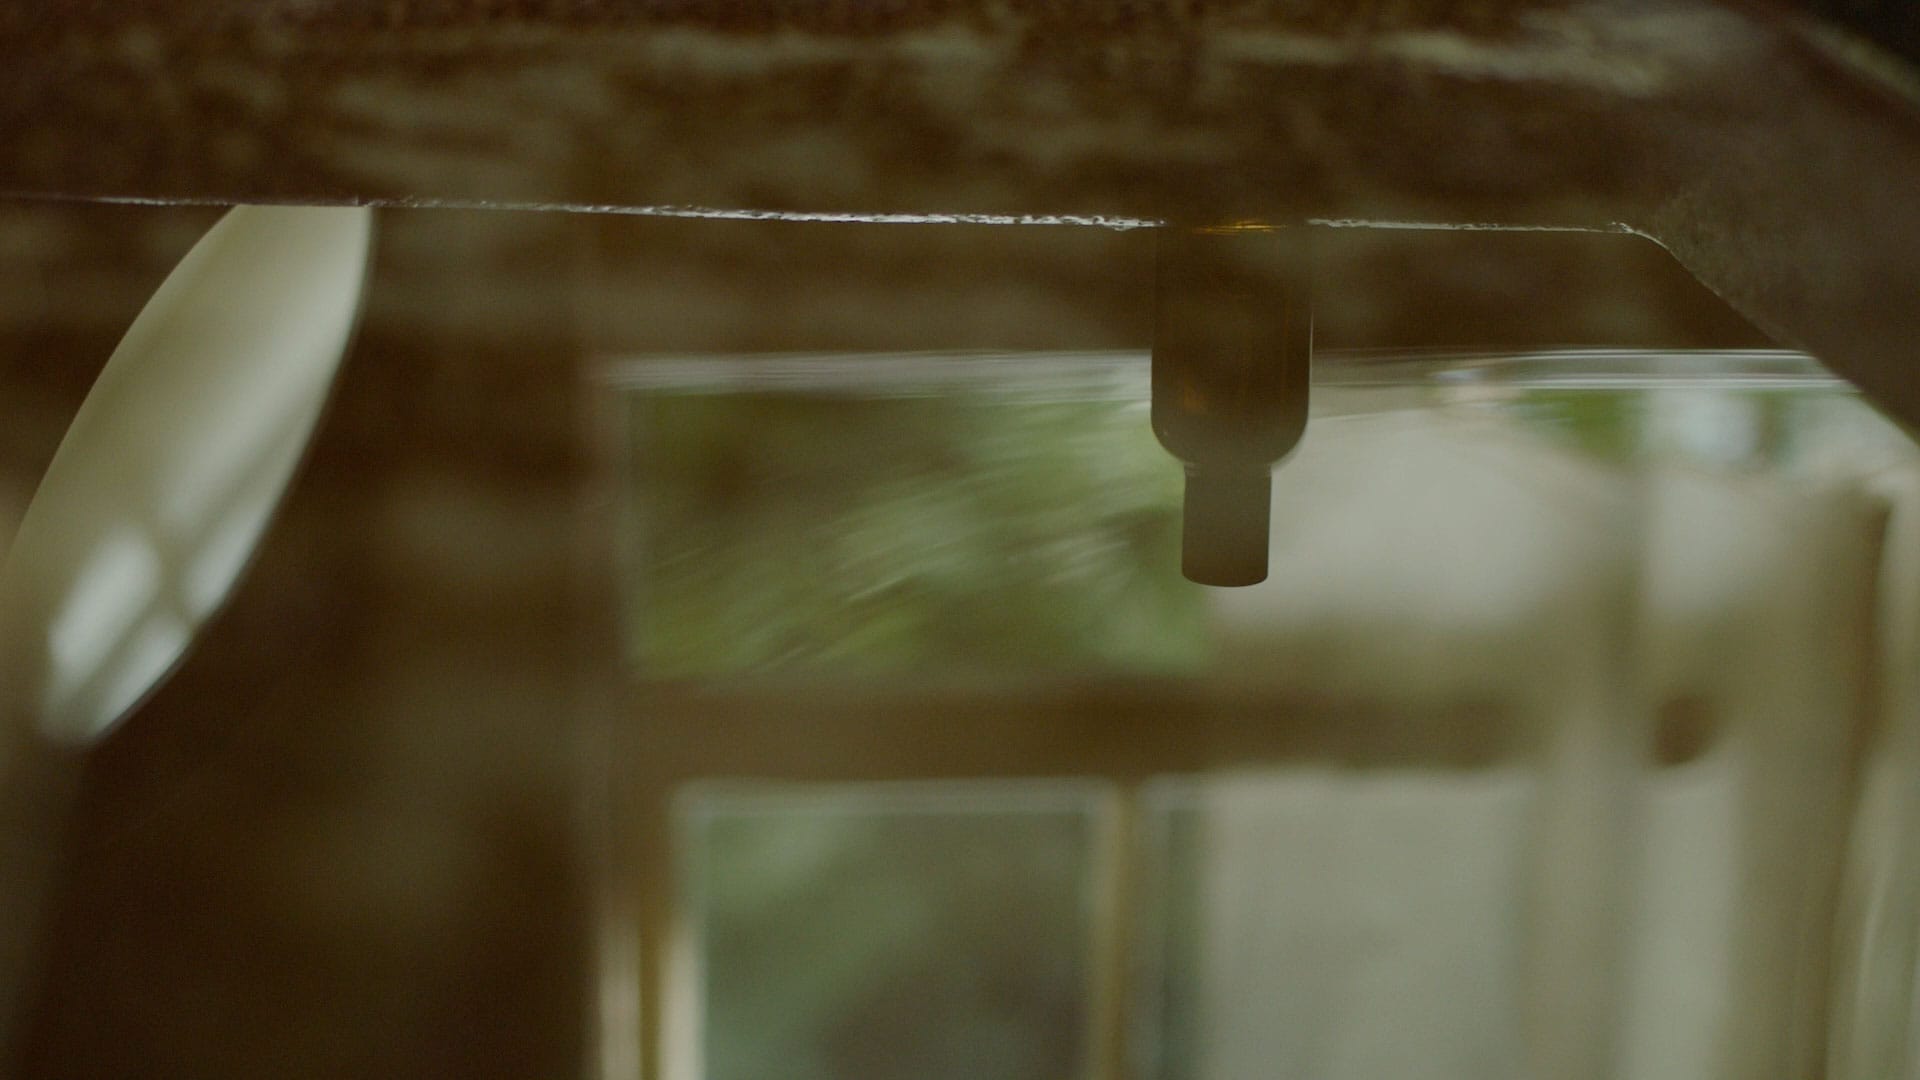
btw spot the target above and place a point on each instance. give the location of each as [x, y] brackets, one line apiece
[812, 591]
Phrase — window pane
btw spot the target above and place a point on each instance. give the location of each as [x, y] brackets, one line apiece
[917, 932]
[1336, 925]
[1025, 525]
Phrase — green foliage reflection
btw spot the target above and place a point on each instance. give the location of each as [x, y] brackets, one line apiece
[961, 534]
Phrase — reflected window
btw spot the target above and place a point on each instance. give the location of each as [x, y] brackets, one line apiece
[1409, 808]
[945, 517]
[892, 932]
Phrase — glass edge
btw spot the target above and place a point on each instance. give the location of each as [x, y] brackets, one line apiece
[1122, 375]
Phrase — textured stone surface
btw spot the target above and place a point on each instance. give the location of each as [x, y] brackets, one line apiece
[1512, 112]
[1773, 157]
